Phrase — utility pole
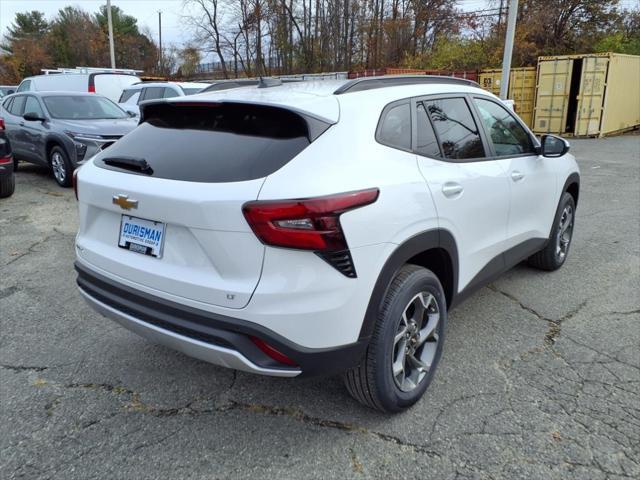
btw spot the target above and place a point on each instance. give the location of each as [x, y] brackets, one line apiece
[110, 24]
[508, 48]
[160, 35]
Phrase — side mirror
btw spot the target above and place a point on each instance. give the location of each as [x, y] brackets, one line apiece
[132, 114]
[33, 117]
[553, 146]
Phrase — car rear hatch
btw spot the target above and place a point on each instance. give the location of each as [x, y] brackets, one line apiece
[162, 207]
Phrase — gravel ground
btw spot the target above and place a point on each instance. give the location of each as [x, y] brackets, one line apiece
[540, 377]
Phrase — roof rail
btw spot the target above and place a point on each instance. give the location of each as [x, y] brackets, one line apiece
[370, 83]
[85, 70]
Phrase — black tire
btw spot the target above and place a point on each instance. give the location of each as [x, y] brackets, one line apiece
[550, 257]
[373, 383]
[7, 185]
[60, 166]
[556, 251]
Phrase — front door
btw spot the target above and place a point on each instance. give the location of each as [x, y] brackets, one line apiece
[531, 178]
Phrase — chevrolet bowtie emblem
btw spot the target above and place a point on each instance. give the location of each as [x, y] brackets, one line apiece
[124, 202]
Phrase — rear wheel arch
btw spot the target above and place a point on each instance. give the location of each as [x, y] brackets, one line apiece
[435, 250]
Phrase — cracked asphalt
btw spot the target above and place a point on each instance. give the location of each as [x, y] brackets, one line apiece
[540, 377]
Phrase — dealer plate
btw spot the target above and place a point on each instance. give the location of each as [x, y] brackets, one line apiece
[141, 236]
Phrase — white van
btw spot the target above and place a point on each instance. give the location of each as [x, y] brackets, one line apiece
[108, 84]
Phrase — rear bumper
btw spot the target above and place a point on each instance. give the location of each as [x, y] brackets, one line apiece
[210, 337]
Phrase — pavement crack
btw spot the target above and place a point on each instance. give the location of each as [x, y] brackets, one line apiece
[307, 419]
[631, 312]
[356, 465]
[31, 248]
[24, 368]
[555, 325]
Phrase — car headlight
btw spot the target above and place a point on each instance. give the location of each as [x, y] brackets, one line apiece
[83, 136]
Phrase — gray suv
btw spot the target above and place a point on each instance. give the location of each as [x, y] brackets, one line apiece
[62, 129]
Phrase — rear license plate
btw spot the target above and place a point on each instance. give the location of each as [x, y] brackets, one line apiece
[141, 236]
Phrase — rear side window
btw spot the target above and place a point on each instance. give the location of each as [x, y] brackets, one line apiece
[170, 93]
[126, 95]
[222, 142]
[7, 104]
[455, 127]
[153, 93]
[394, 129]
[17, 107]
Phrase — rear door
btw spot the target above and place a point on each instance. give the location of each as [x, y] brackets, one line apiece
[14, 125]
[552, 102]
[181, 178]
[470, 190]
[111, 85]
[593, 82]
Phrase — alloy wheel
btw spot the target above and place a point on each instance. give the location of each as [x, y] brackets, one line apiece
[565, 230]
[59, 168]
[416, 341]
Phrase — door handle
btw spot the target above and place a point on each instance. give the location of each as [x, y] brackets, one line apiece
[516, 175]
[451, 189]
[22, 124]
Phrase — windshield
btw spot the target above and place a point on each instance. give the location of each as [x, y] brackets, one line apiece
[88, 107]
[191, 91]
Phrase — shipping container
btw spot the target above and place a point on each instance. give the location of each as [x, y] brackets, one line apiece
[587, 95]
[404, 71]
[522, 88]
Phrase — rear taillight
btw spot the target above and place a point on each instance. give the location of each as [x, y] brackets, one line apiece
[5, 160]
[74, 181]
[277, 355]
[92, 89]
[1, 123]
[307, 224]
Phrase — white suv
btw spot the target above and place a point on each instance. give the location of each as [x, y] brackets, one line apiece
[315, 228]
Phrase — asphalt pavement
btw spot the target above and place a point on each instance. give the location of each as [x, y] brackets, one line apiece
[540, 377]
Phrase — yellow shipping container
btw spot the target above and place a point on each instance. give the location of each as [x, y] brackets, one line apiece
[522, 88]
[587, 95]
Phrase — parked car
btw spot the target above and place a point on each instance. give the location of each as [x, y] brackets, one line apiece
[140, 92]
[7, 174]
[62, 129]
[108, 84]
[319, 227]
[7, 90]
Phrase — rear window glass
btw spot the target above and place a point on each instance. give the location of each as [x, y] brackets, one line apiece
[211, 143]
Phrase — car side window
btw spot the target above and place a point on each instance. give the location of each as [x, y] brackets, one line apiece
[17, 107]
[128, 96]
[507, 135]
[394, 129]
[7, 104]
[24, 86]
[170, 93]
[152, 93]
[426, 142]
[33, 106]
[456, 129]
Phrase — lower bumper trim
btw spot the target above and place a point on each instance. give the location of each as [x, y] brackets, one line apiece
[214, 354]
